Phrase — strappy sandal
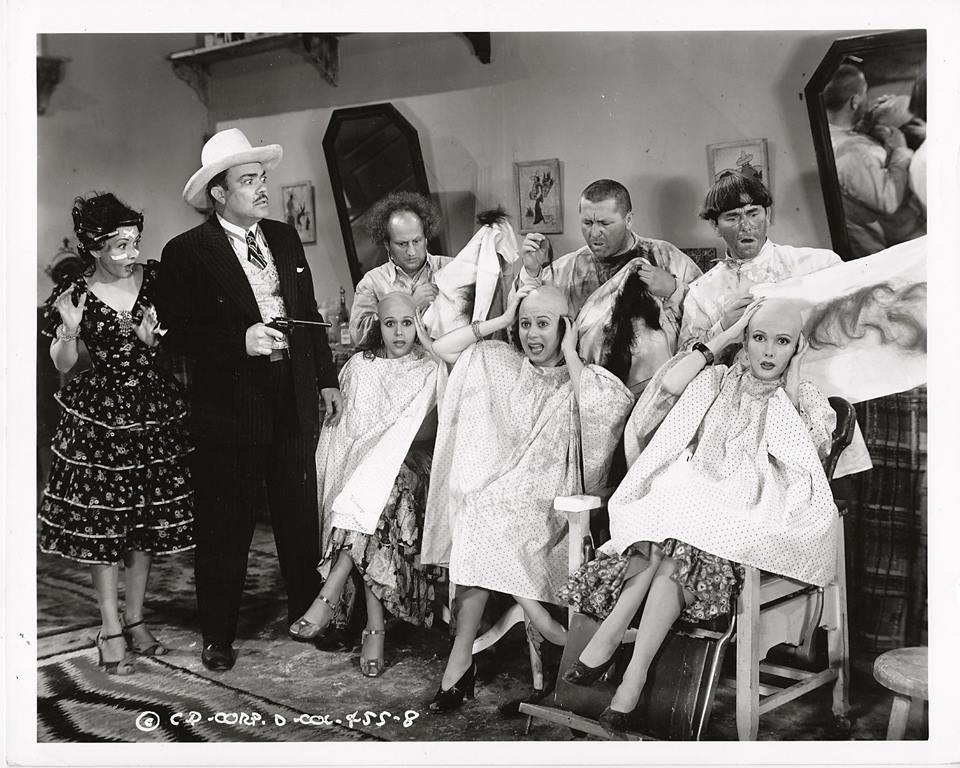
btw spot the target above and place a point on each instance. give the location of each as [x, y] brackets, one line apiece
[121, 667]
[305, 630]
[153, 648]
[371, 667]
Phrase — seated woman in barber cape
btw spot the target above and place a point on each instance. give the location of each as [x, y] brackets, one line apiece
[519, 424]
[373, 469]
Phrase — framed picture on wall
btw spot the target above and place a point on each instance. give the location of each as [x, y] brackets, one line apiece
[298, 209]
[704, 258]
[539, 196]
[748, 157]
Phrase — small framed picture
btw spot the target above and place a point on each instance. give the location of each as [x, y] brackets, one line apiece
[748, 157]
[298, 210]
[539, 197]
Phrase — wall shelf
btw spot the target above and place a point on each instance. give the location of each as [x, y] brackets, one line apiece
[322, 50]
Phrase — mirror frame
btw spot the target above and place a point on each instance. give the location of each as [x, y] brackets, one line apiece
[820, 130]
[337, 119]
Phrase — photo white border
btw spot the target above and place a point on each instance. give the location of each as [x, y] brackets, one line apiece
[22, 19]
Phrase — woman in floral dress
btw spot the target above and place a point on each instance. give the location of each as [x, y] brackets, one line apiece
[119, 489]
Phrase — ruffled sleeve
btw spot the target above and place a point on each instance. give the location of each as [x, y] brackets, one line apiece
[50, 319]
[818, 416]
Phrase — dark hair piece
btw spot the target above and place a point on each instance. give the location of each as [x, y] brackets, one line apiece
[492, 216]
[605, 189]
[220, 180]
[729, 191]
[96, 219]
[634, 301]
[411, 202]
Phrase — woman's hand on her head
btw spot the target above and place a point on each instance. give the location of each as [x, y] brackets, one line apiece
[570, 336]
[510, 312]
[735, 331]
[70, 314]
[792, 382]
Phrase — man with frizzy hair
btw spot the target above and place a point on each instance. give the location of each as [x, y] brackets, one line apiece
[403, 223]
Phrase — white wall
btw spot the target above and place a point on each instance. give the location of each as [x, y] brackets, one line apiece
[120, 121]
[638, 107]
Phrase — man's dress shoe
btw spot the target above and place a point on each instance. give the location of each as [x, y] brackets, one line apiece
[217, 657]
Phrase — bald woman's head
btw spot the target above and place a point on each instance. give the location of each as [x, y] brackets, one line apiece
[540, 325]
[772, 336]
[397, 312]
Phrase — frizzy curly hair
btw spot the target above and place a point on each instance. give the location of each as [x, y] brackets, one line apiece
[412, 202]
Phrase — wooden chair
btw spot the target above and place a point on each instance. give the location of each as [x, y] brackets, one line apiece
[771, 610]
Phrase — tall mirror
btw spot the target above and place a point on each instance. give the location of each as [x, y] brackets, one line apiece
[371, 151]
[867, 107]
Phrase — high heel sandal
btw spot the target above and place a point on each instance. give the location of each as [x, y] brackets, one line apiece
[121, 667]
[581, 674]
[371, 667]
[453, 697]
[305, 630]
[153, 648]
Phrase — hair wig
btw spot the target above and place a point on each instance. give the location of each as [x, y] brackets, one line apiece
[729, 192]
[410, 202]
[619, 335]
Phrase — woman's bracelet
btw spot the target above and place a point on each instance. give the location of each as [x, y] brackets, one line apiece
[64, 335]
[476, 330]
[704, 350]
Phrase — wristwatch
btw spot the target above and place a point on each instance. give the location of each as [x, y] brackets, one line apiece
[704, 350]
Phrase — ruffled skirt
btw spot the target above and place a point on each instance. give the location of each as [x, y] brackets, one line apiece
[118, 483]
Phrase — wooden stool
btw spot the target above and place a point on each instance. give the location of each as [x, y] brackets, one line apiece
[903, 671]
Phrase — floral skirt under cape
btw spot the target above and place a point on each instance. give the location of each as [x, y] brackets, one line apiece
[385, 559]
[595, 587]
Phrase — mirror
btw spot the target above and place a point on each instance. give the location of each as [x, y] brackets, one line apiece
[371, 151]
[867, 108]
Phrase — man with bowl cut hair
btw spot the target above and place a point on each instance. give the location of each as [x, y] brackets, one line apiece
[255, 390]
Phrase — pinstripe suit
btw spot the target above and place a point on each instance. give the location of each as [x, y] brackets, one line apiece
[255, 422]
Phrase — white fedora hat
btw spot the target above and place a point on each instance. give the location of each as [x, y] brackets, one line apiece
[226, 149]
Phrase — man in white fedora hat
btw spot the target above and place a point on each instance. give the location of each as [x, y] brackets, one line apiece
[254, 390]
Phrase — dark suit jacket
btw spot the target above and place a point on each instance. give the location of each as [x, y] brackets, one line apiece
[205, 302]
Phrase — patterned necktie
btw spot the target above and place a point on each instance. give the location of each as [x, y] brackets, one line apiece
[254, 256]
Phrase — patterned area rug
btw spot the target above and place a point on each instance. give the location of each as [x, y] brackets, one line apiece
[76, 702]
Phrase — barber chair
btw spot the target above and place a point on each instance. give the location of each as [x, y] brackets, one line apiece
[772, 611]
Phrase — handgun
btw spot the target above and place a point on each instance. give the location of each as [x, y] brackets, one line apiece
[287, 324]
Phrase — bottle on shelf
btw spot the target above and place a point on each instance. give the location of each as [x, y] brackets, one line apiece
[344, 320]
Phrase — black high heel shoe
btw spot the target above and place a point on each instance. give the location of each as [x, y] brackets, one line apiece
[581, 674]
[453, 697]
[614, 722]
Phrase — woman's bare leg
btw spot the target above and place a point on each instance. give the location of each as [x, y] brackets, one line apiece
[319, 612]
[609, 634]
[540, 617]
[471, 602]
[106, 580]
[665, 602]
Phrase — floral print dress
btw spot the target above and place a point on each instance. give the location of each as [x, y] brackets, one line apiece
[119, 480]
